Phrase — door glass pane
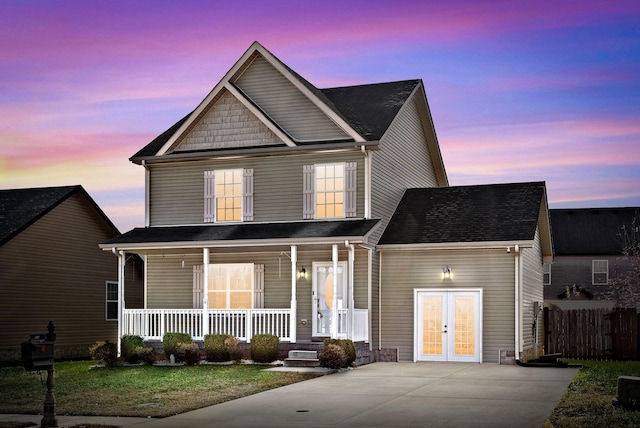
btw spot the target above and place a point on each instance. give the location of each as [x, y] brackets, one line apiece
[432, 325]
[464, 325]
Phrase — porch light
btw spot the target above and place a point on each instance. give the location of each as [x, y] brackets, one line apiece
[302, 273]
[446, 272]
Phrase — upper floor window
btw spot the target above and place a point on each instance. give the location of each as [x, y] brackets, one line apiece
[228, 195]
[600, 272]
[546, 273]
[112, 300]
[329, 190]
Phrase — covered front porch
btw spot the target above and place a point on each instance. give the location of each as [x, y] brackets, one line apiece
[303, 290]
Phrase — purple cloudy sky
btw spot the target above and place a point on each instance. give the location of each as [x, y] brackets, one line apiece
[519, 91]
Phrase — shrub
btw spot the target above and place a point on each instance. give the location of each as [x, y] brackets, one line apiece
[170, 342]
[188, 352]
[332, 356]
[129, 345]
[264, 348]
[104, 352]
[216, 347]
[347, 346]
[235, 353]
[146, 355]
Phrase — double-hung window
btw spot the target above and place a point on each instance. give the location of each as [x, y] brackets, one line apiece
[546, 274]
[112, 300]
[329, 190]
[228, 195]
[600, 272]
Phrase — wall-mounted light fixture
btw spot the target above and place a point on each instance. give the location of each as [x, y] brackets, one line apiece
[302, 273]
[182, 262]
[446, 272]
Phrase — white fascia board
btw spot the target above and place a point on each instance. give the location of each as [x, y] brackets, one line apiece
[312, 97]
[258, 113]
[489, 245]
[182, 245]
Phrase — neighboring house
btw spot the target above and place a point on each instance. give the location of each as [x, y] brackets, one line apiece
[589, 269]
[264, 207]
[52, 269]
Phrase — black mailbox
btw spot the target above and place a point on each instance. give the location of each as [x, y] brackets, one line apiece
[37, 353]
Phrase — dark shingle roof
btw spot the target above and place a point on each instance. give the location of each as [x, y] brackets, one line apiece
[589, 230]
[246, 231]
[369, 109]
[20, 208]
[496, 212]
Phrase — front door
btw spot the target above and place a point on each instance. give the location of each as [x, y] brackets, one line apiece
[329, 299]
[448, 325]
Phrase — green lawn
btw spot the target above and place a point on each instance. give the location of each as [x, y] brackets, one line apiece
[588, 400]
[83, 389]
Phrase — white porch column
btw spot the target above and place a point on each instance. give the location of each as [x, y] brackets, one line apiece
[294, 298]
[352, 306]
[121, 303]
[205, 291]
[334, 315]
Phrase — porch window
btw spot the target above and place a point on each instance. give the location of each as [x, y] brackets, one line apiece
[600, 272]
[231, 286]
[112, 300]
[228, 195]
[329, 190]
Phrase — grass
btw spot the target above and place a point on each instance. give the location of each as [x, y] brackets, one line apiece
[143, 391]
[588, 400]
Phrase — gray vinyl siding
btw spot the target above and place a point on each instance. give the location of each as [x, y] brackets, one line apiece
[177, 188]
[532, 291]
[54, 270]
[285, 104]
[404, 271]
[402, 161]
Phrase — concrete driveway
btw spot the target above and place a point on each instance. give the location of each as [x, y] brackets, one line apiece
[392, 395]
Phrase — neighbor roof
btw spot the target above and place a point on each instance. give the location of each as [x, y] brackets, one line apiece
[590, 230]
[20, 208]
[253, 232]
[485, 213]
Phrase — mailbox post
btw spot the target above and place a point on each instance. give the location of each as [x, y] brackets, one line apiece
[37, 355]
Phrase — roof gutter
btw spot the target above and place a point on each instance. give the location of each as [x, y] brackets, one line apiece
[489, 245]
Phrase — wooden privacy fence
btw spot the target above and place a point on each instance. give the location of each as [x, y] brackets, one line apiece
[592, 333]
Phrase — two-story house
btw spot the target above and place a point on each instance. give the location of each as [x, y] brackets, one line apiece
[590, 269]
[265, 204]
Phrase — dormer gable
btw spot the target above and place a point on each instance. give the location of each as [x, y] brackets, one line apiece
[259, 102]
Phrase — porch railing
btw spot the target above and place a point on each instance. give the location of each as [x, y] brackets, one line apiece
[152, 324]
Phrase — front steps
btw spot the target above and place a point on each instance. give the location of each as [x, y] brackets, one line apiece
[298, 358]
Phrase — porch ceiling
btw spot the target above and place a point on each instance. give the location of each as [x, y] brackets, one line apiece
[250, 236]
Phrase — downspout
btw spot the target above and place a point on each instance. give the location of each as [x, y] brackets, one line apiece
[367, 182]
[517, 302]
[147, 184]
[294, 301]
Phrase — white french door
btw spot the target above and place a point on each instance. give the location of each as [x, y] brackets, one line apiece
[329, 299]
[448, 325]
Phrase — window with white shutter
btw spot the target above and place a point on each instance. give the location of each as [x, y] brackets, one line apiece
[329, 191]
[228, 195]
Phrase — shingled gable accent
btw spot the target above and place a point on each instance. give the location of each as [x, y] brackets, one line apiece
[470, 214]
[227, 83]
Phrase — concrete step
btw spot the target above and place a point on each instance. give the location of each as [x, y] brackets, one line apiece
[303, 355]
[299, 358]
[304, 362]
